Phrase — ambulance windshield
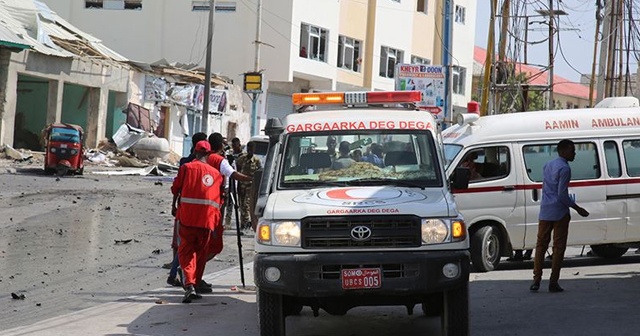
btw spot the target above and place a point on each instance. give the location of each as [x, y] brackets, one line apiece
[403, 158]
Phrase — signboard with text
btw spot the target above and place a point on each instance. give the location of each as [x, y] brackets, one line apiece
[429, 79]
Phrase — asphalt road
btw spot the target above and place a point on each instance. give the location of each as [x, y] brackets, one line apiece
[81, 241]
[58, 248]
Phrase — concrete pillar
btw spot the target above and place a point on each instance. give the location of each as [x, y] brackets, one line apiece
[54, 102]
[96, 116]
[8, 97]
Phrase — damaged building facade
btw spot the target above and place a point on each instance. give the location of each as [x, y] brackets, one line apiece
[50, 71]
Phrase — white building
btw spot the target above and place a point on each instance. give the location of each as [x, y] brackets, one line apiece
[305, 45]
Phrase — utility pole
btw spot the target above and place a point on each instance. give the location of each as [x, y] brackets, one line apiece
[446, 58]
[592, 80]
[256, 68]
[550, 104]
[488, 62]
[207, 70]
[604, 47]
[552, 14]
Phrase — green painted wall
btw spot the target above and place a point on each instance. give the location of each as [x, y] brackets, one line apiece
[31, 111]
[115, 117]
[75, 100]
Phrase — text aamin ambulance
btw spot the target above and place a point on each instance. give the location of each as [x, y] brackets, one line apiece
[355, 210]
[502, 201]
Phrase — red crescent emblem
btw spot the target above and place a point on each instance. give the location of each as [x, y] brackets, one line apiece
[340, 194]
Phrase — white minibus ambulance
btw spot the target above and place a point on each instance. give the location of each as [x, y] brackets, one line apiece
[506, 154]
[354, 210]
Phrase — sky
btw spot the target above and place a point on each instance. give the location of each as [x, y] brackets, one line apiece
[576, 36]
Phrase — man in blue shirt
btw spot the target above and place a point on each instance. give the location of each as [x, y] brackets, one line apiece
[554, 214]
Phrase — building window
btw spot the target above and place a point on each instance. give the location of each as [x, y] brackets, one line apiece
[459, 78]
[389, 57]
[349, 53]
[419, 60]
[313, 42]
[113, 4]
[423, 6]
[460, 15]
[221, 6]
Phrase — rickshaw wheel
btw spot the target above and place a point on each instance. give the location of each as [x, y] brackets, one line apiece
[62, 170]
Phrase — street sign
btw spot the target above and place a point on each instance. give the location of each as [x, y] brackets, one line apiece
[429, 79]
[253, 82]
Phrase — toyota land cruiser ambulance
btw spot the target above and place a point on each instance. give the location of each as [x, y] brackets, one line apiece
[355, 210]
[501, 205]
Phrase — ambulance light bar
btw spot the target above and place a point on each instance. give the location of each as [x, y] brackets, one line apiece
[357, 98]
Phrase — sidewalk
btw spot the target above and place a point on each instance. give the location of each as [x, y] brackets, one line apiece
[229, 312]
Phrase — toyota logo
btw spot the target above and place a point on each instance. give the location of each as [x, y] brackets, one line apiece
[360, 233]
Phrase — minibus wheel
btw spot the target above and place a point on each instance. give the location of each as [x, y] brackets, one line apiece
[608, 251]
[485, 249]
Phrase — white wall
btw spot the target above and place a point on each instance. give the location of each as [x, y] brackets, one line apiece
[394, 28]
[463, 44]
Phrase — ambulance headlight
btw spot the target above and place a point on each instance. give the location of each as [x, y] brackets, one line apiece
[434, 231]
[286, 233]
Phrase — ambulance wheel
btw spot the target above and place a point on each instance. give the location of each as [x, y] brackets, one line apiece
[608, 251]
[270, 314]
[455, 315]
[485, 249]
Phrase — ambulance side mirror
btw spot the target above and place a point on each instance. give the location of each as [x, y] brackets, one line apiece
[460, 178]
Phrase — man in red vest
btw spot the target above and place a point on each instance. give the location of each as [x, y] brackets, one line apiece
[197, 187]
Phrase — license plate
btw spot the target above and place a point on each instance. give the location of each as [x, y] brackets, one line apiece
[361, 278]
[63, 145]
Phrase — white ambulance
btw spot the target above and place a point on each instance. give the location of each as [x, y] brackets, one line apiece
[506, 154]
[355, 210]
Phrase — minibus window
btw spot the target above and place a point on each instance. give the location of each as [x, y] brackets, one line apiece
[450, 153]
[487, 163]
[612, 157]
[631, 149]
[584, 166]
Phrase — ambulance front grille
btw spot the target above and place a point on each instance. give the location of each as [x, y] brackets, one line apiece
[336, 232]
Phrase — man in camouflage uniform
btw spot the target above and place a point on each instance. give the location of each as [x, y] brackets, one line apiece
[247, 164]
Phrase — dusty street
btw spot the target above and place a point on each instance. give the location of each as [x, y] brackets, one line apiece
[81, 241]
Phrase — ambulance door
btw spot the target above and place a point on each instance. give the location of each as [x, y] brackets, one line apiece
[631, 154]
[586, 188]
[492, 194]
[616, 191]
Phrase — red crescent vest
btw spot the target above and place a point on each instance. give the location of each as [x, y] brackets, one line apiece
[199, 186]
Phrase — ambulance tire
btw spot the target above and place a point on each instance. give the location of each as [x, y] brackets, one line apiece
[485, 249]
[271, 314]
[608, 251]
[455, 315]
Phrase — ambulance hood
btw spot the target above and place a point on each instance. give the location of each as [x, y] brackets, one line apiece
[383, 200]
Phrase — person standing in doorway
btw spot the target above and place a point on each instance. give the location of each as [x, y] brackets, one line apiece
[247, 164]
[196, 206]
[554, 214]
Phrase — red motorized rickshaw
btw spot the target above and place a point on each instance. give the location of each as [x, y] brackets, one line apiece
[63, 146]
